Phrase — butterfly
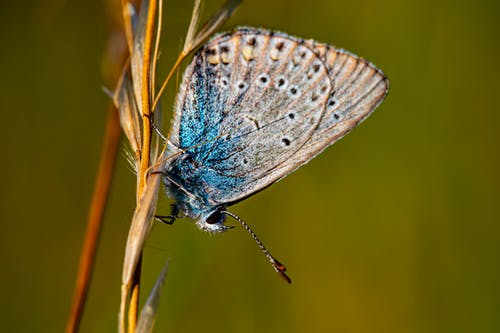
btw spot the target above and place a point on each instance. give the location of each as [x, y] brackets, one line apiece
[255, 105]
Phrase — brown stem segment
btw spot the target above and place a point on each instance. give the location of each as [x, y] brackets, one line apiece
[94, 222]
[133, 309]
[146, 96]
[146, 149]
[113, 62]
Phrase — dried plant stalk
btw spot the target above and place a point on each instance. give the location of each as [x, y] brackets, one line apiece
[94, 223]
[136, 100]
[193, 25]
[146, 141]
[213, 24]
[116, 51]
[140, 35]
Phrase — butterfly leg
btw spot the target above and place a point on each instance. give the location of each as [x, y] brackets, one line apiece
[170, 219]
[157, 130]
[167, 219]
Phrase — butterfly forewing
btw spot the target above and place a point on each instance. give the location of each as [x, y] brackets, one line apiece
[253, 99]
[256, 105]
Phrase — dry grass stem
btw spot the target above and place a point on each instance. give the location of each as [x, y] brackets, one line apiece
[94, 223]
[193, 25]
[137, 95]
[146, 135]
[114, 57]
[213, 24]
[138, 104]
[156, 51]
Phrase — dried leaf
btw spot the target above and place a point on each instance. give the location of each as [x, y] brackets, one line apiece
[141, 224]
[193, 25]
[150, 309]
[213, 24]
[137, 54]
[129, 116]
[130, 24]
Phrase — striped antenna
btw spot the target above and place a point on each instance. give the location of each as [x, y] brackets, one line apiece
[278, 267]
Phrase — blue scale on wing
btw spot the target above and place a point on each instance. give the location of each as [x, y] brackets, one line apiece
[267, 124]
[199, 117]
[198, 122]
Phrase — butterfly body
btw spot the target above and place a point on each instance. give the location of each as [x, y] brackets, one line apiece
[254, 106]
[188, 184]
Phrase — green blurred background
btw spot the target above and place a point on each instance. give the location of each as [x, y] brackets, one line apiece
[394, 229]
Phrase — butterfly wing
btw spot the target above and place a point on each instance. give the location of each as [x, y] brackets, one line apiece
[358, 88]
[249, 101]
[256, 105]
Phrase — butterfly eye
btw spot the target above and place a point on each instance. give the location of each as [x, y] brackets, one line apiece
[215, 217]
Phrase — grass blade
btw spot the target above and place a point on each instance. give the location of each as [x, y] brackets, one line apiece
[147, 317]
[217, 20]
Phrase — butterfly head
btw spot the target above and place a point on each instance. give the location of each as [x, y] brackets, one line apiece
[213, 222]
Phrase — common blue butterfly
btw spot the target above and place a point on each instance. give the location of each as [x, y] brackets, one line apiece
[254, 106]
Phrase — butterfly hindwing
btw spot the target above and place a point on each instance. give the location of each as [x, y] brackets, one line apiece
[358, 88]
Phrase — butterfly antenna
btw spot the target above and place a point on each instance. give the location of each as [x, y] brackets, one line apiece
[278, 267]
